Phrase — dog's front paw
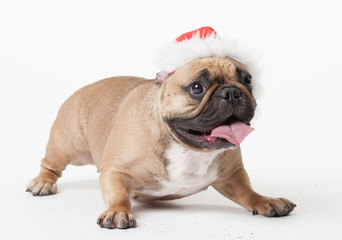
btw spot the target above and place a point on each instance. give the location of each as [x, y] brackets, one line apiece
[272, 207]
[117, 217]
[41, 187]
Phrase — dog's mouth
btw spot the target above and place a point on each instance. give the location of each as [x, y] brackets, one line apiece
[224, 136]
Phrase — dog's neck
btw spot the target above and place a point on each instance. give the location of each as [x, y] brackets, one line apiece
[191, 167]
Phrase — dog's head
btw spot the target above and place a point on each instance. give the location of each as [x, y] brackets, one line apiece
[208, 103]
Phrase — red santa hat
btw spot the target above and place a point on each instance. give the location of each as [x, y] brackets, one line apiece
[200, 43]
[203, 33]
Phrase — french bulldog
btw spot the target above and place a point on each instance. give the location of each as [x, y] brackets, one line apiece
[159, 139]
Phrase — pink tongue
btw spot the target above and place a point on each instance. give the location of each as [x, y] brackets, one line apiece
[234, 133]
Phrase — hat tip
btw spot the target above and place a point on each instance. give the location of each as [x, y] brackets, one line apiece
[203, 33]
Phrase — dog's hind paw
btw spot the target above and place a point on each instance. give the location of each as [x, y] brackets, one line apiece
[41, 187]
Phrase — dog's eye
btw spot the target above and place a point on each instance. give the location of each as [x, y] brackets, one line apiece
[197, 88]
[248, 80]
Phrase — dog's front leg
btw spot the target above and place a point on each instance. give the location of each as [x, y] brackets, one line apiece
[237, 187]
[115, 193]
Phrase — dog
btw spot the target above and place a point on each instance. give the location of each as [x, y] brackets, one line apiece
[159, 139]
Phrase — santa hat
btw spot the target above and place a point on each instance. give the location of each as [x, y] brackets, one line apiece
[200, 43]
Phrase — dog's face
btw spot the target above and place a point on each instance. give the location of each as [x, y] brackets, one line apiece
[204, 98]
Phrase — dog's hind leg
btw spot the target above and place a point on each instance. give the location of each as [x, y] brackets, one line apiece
[52, 165]
[62, 149]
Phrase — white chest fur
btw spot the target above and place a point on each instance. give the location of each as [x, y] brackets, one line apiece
[189, 171]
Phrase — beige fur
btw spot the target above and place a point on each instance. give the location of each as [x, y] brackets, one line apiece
[118, 125]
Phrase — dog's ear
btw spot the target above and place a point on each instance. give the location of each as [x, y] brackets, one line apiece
[161, 77]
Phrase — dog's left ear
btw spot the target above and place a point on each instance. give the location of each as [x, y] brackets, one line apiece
[161, 77]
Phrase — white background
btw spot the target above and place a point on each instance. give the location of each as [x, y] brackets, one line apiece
[49, 49]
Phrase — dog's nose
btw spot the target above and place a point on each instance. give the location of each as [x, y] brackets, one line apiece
[231, 94]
